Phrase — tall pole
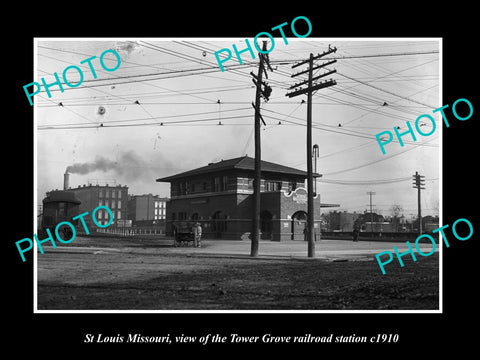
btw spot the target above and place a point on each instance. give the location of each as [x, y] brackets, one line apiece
[257, 171]
[420, 225]
[310, 217]
[371, 211]
[418, 182]
[309, 91]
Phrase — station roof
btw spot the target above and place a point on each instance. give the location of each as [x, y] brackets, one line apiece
[240, 163]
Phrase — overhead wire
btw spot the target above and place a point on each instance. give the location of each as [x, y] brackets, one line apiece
[174, 53]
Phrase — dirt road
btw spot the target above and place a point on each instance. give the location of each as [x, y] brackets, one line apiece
[145, 275]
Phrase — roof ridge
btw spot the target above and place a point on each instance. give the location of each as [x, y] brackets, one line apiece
[244, 162]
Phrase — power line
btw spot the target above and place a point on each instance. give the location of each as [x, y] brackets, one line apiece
[386, 157]
[334, 129]
[387, 91]
[364, 182]
[107, 124]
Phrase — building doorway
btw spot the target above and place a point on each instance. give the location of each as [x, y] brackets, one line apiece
[266, 225]
[299, 225]
[218, 224]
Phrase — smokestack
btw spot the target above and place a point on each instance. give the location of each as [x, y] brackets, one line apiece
[66, 181]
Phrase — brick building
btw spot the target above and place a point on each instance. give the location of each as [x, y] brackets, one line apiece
[342, 221]
[220, 197]
[91, 196]
[146, 208]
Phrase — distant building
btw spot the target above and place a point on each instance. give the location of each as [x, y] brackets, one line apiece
[377, 227]
[91, 196]
[342, 221]
[220, 197]
[59, 206]
[146, 208]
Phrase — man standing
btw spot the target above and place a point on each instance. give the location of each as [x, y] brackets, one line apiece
[355, 234]
[197, 233]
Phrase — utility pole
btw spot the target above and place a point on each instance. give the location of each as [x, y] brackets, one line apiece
[309, 91]
[265, 93]
[371, 211]
[418, 182]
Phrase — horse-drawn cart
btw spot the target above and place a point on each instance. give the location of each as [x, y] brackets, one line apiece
[183, 234]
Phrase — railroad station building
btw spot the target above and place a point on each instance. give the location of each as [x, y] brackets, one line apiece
[220, 197]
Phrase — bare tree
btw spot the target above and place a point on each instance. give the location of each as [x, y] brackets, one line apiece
[396, 211]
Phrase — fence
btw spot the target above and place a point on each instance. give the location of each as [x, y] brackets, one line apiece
[377, 236]
[131, 231]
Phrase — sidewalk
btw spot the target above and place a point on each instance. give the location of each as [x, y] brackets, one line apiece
[332, 250]
[335, 250]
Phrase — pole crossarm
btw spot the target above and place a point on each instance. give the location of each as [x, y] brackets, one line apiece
[313, 79]
[321, 85]
[314, 68]
[329, 51]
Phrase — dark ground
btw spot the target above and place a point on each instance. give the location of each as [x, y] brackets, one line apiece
[112, 280]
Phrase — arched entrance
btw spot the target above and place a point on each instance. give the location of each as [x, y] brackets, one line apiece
[194, 217]
[266, 225]
[299, 224]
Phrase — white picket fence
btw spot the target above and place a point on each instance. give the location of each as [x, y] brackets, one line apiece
[132, 231]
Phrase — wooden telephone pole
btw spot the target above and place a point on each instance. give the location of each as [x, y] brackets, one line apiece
[265, 93]
[371, 193]
[418, 182]
[309, 91]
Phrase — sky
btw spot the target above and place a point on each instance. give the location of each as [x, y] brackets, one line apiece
[169, 108]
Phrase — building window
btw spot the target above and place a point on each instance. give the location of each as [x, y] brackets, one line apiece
[220, 183]
[292, 186]
[224, 183]
[250, 184]
[62, 211]
[119, 194]
[119, 214]
[183, 188]
[273, 185]
[119, 204]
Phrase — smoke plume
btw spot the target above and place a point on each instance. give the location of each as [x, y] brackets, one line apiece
[127, 165]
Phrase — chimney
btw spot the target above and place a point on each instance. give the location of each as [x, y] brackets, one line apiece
[66, 181]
